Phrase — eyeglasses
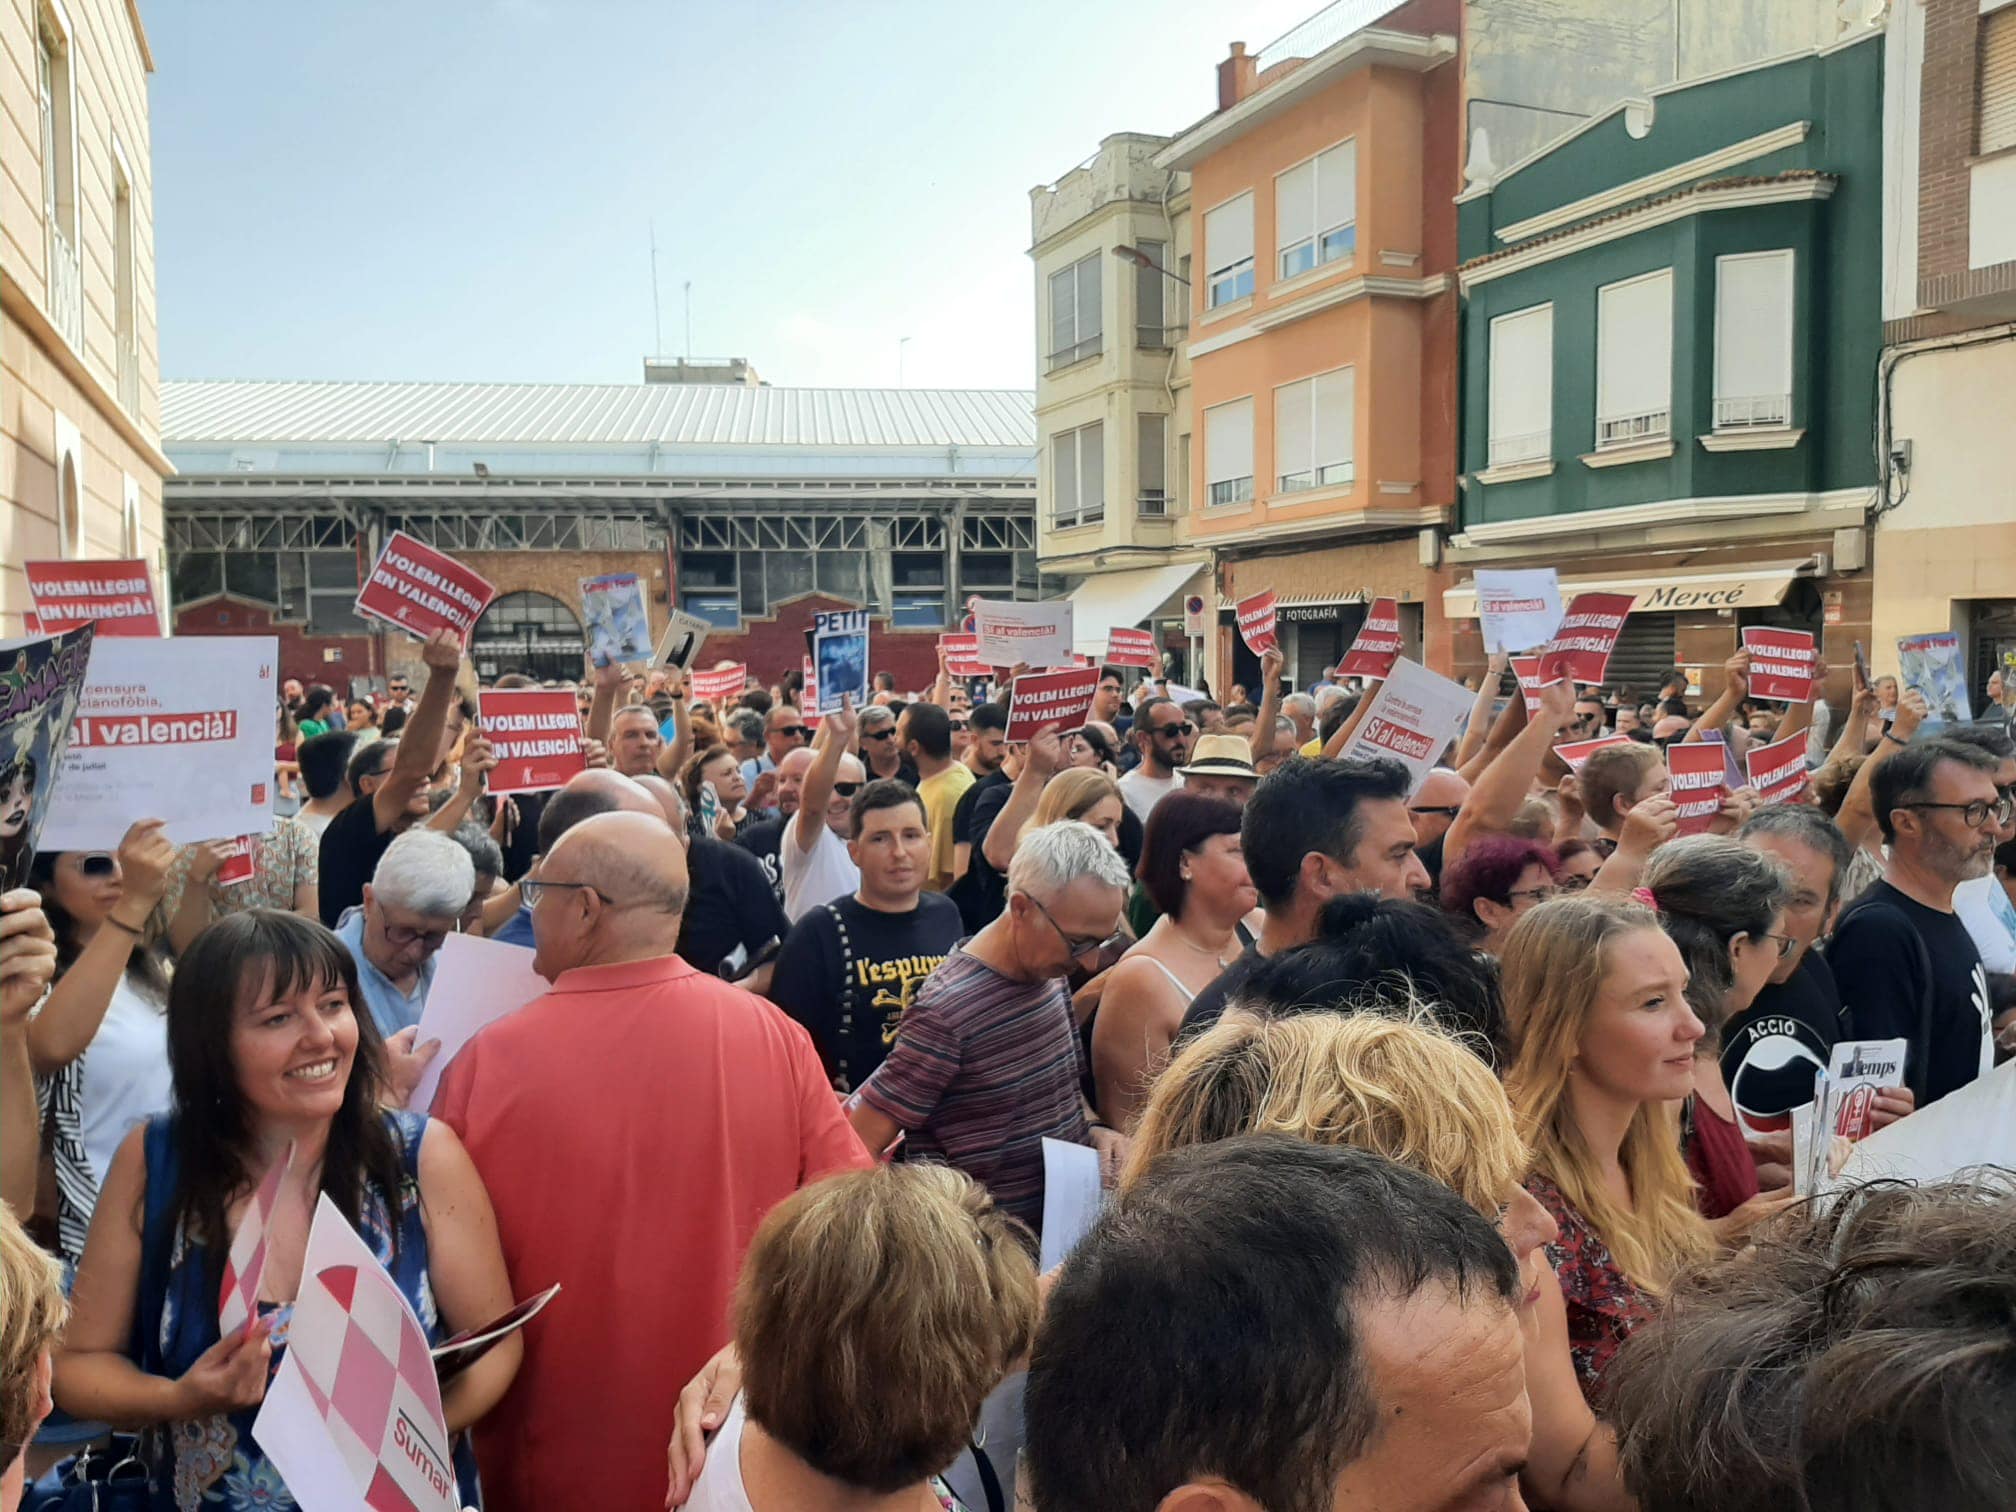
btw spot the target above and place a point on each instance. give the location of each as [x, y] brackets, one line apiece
[796, 732]
[1447, 810]
[1575, 884]
[846, 789]
[1171, 730]
[531, 889]
[884, 734]
[958, 724]
[1975, 814]
[1078, 949]
[1785, 943]
[398, 936]
[1537, 894]
[98, 864]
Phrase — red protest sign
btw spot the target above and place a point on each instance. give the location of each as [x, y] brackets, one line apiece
[1580, 650]
[1781, 663]
[962, 655]
[1130, 648]
[809, 713]
[535, 734]
[1527, 670]
[1378, 644]
[1256, 622]
[1062, 698]
[1575, 752]
[719, 683]
[1778, 770]
[117, 597]
[1696, 773]
[420, 590]
[238, 867]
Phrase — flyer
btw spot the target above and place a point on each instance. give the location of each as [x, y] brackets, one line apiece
[809, 706]
[456, 1354]
[720, 685]
[684, 635]
[840, 648]
[1932, 665]
[1580, 650]
[1378, 646]
[1256, 617]
[162, 733]
[1131, 648]
[476, 982]
[245, 1263]
[241, 865]
[535, 734]
[1414, 715]
[1782, 663]
[1518, 609]
[962, 654]
[1574, 752]
[1527, 670]
[1008, 633]
[1696, 774]
[618, 624]
[1062, 698]
[117, 597]
[1859, 1070]
[1778, 770]
[422, 590]
[40, 687]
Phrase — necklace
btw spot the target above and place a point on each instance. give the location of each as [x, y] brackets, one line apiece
[1207, 950]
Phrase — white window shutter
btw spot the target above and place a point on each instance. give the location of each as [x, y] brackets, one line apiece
[1753, 326]
[1064, 475]
[1294, 202]
[1228, 441]
[1092, 467]
[1152, 464]
[1228, 233]
[1522, 374]
[1335, 401]
[1337, 186]
[1063, 309]
[1292, 441]
[1148, 284]
[1634, 325]
[1996, 99]
[1089, 271]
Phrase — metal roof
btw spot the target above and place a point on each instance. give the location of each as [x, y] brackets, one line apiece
[594, 413]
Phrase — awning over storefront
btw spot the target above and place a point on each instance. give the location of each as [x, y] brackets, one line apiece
[1123, 600]
[1722, 588]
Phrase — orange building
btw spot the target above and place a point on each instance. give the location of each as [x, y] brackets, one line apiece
[1323, 328]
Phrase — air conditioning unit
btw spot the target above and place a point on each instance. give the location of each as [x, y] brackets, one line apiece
[1431, 547]
[1851, 548]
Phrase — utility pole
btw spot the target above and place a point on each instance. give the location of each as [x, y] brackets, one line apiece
[688, 353]
[901, 342]
[657, 329]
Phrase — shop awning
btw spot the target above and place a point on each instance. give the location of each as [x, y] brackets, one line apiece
[1124, 599]
[1665, 593]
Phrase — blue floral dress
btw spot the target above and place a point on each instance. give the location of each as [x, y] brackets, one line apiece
[215, 1462]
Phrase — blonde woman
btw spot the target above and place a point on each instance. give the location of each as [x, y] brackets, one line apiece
[1596, 997]
[32, 1310]
[1403, 1088]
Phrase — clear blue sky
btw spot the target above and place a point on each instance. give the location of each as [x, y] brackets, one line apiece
[463, 189]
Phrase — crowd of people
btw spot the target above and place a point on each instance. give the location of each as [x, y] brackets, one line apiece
[1445, 1121]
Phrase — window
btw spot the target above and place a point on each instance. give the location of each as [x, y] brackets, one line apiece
[1995, 97]
[1753, 340]
[986, 569]
[1315, 210]
[125, 336]
[1151, 322]
[1182, 500]
[1228, 251]
[1228, 452]
[56, 108]
[1078, 476]
[1312, 432]
[1522, 386]
[1151, 465]
[841, 575]
[1074, 312]
[915, 611]
[707, 569]
[1634, 360]
[917, 569]
[719, 609]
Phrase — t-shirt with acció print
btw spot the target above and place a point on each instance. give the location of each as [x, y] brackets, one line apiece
[985, 1069]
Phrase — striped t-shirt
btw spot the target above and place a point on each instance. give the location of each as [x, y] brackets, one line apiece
[983, 1070]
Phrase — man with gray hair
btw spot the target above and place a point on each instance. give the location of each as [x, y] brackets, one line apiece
[988, 1063]
[1300, 709]
[415, 899]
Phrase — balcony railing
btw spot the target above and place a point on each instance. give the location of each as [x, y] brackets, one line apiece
[1753, 412]
[1157, 337]
[1152, 504]
[1531, 446]
[66, 288]
[1063, 357]
[1092, 516]
[1629, 430]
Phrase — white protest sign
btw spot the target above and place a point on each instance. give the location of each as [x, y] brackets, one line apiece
[1007, 632]
[840, 650]
[684, 635]
[476, 983]
[1071, 1198]
[1412, 718]
[1973, 1126]
[178, 729]
[1519, 609]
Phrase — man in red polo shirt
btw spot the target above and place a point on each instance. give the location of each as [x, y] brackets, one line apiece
[632, 1126]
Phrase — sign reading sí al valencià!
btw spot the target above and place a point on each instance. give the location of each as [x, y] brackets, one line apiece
[117, 597]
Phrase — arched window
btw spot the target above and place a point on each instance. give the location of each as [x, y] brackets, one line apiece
[532, 633]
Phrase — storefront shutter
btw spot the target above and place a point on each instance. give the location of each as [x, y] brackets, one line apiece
[1644, 650]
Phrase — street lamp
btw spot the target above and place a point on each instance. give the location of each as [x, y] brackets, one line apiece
[1141, 259]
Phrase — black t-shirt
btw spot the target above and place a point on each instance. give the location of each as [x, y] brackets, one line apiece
[1881, 969]
[1772, 1049]
[1209, 1005]
[982, 892]
[730, 907]
[848, 973]
[351, 846]
[760, 840]
[524, 842]
[969, 801]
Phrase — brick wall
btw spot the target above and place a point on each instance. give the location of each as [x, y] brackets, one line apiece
[558, 574]
[775, 645]
[331, 659]
[1949, 89]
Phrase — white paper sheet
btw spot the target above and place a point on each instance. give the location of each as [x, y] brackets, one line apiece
[476, 983]
[1072, 1198]
[1974, 1126]
[1413, 716]
[1518, 608]
[1009, 632]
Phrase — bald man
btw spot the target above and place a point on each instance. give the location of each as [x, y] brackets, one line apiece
[764, 838]
[817, 866]
[595, 791]
[631, 1126]
[734, 923]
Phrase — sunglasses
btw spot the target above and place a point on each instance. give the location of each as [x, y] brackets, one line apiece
[846, 789]
[99, 864]
[884, 734]
[958, 724]
[1172, 730]
[1447, 810]
[798, 732]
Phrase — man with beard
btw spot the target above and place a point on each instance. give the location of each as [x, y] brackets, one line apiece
[1163, 736]
[762, 838]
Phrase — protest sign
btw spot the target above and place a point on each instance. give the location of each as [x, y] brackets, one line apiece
[476, 983]
[40, 687]
[1778, 770]
[117, 597]
[1697, 776]
[1062, 698]
[962, 655]
[719, 685]
[1131, 648]
[1414, 715]
[1932, 665]
[245, 1263]
[1859, 1070]
[1256, 617]
[1007, 633]
[239, 866]
[422, 590]
[808, 709]
[180, 730]
[1574, 752]
[353, 1415]
[1782, 663]
[1518, 609]
[1072, 1199]
[840, 648]
[1973, 1126]
[618, 624]
[684, 635]
[535, 734]
[1527, 670]
[1373, 653]
[1580, 650]
[1733, 775]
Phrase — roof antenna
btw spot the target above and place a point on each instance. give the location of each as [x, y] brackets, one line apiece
[657, 330]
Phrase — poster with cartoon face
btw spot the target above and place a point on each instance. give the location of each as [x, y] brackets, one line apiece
[40, 683]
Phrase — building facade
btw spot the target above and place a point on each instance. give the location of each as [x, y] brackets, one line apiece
[752, 507]
[80, 454]
[1670, 337]
[1946, 521]
[1323, 325]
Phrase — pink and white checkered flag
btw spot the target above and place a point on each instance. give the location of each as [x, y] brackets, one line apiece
[245, 1266]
